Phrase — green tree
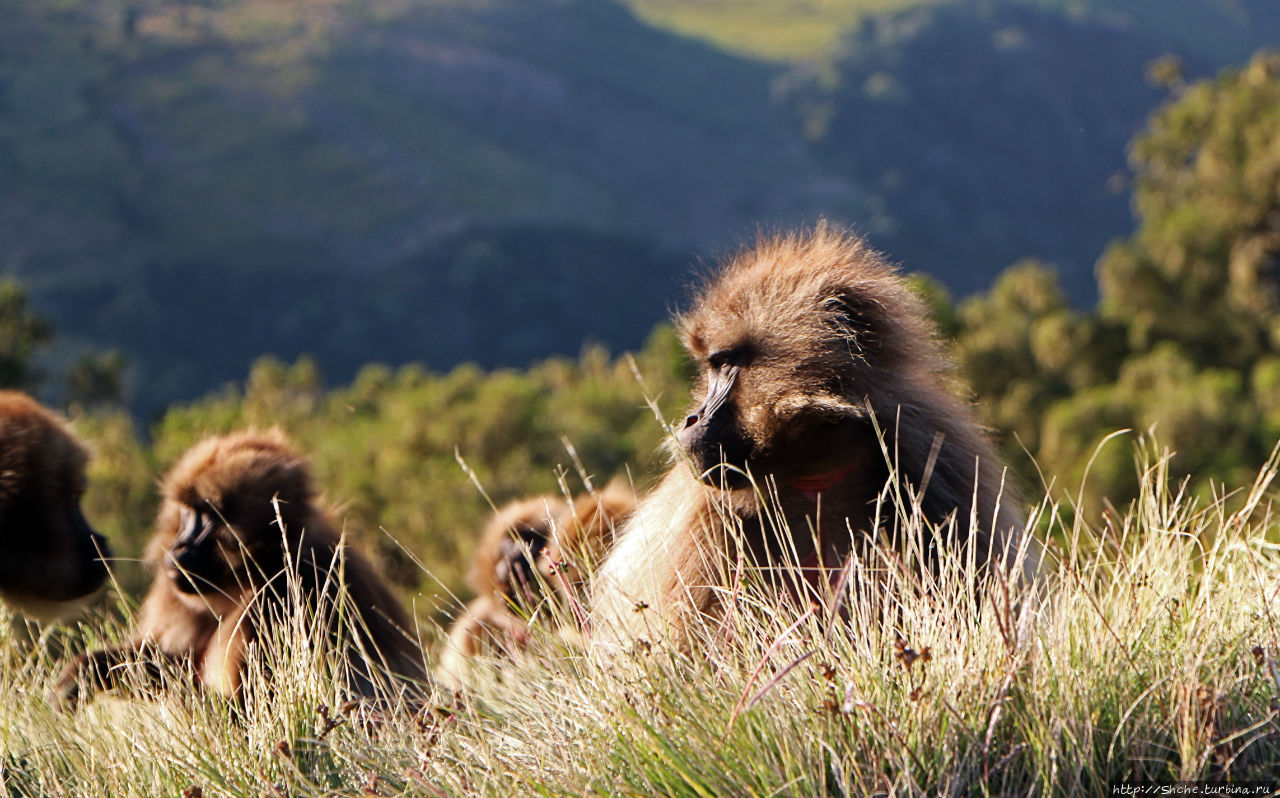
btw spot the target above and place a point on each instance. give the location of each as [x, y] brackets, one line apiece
[96, 379]
[1023, 349]
[1184, 340]
[1201, 268]
[23, 333]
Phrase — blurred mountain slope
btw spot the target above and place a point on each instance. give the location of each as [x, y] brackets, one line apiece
[205, 181]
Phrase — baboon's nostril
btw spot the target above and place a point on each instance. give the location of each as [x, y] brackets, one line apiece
[690, 421]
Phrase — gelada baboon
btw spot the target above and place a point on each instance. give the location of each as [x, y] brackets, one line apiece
[240, 550]
[811, 351]
[530, 547]
[50, 559]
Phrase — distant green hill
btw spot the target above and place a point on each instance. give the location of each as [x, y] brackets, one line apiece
[205, 181]
[792, 30]
[202, 183]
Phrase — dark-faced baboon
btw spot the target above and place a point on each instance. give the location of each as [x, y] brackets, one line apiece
[50, 559]
[530, 548]
[813, 354]
[241, 550]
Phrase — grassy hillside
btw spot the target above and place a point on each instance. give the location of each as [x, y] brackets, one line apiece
[775, 31]
[790, 30]
[1147, 654]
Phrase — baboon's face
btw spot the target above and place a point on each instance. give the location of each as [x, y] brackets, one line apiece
[515, 571]
[50, 558]
[213, 559]
[779, 397]
[230, 514]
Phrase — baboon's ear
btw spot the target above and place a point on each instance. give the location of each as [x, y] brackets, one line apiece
[852, 317]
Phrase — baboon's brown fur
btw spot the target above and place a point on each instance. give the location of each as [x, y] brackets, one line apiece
[805, 345]
[50, 559]
[238, 537]
[529, 544]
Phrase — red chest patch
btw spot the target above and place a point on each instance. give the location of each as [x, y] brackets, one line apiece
[812, 486]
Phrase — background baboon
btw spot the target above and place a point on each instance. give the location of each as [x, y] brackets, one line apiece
[50, 559]
[805, 345]
[530, 544]
[239, 522]
[585, 534]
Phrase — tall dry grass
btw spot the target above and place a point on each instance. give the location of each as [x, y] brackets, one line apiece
[1146, 651]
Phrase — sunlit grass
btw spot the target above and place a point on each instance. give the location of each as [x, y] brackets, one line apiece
[774, 31]
[1145, 652]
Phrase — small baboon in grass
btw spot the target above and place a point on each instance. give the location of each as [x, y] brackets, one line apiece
[51, 561]
[823, 396]
[241, 552]
[529, 548]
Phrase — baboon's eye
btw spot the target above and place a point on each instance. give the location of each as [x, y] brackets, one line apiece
[734, 356]
[194, 525]
[531, 535]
